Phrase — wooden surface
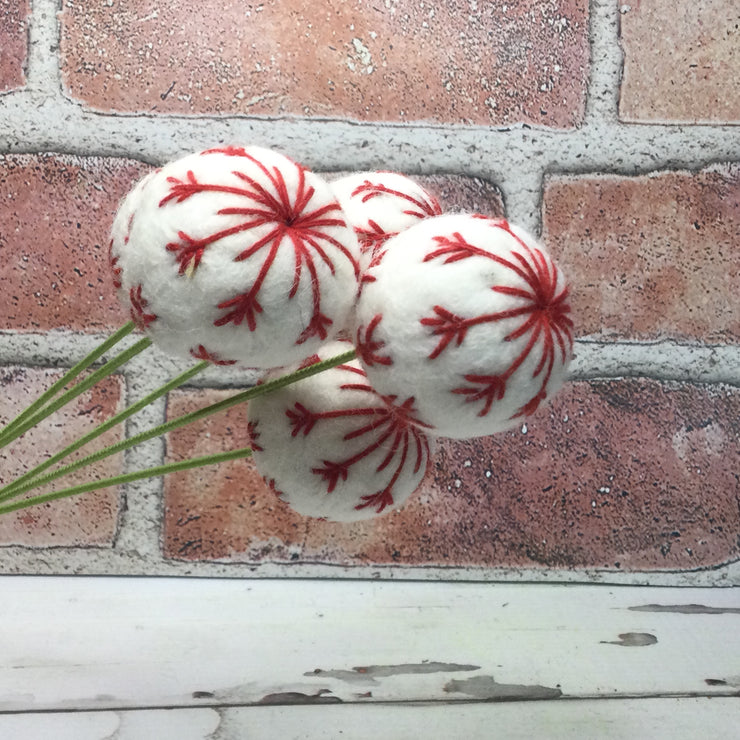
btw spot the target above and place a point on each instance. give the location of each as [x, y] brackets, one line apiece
[574, 659]
[630, 719]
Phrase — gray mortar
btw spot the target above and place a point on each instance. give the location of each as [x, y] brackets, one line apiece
[40, 118]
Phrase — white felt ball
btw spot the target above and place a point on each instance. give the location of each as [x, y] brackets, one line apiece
[379, 205]
[470, 317]
[333, 448]
[235, 255]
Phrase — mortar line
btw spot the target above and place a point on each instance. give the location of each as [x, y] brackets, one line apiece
[41, 118]
[43, 61]
[598, 146]
[657, 359]
[602, 91]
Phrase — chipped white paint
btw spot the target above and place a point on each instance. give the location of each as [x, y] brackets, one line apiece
[118, 643]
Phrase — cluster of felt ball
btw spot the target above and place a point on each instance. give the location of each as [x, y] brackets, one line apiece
[461, 322]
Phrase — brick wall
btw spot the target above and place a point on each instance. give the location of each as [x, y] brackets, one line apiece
[610, 129]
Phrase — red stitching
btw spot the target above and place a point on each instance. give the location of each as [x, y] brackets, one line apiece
[115, 268]
[254, 436]
[367, 276]
[273, 487]
[545, 314]
[389, 432]
[455, 248]
[352, 369]
[287, 218]
[390, 426]
[310, 360]
[303, 421]
[229, 151]
[129, 228]
[368, 347]
[370, 190]
[371, 239]
[201, 353]
[138, 306]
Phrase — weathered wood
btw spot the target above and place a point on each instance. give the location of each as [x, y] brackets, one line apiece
[627, 719]
[96, 643]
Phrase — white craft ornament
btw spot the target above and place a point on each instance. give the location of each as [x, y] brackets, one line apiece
[235, 255]
[470, 317]
[332, 448]
[379, 205]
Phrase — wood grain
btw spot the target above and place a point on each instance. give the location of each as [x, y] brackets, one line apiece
[118, 643]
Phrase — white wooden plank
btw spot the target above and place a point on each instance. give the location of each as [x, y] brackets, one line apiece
[627, 719]
[159, 724]
[126, 642]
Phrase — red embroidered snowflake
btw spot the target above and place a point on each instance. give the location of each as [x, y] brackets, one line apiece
[115, 268]
[420, 207]
[542, 310]
[368, 348]
[289, 221]
[139, 316]
[373, 236]
[375, 260]
[390, 427]
[254, 436]
[201, 353]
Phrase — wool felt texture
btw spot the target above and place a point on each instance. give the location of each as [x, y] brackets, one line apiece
[333, 448]
[235, 255]
[470, 317]
[379, 205]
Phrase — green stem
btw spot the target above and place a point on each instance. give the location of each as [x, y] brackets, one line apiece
[76, 390]
[67, 378]
[181, 421]
[195, 462]
[9, 490]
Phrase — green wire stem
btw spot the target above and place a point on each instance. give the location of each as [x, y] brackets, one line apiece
[67, 378]
[103, 372]
[6, 492]
[195, 462]
[181, 421]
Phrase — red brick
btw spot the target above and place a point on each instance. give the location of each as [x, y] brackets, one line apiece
[457, 193]
[681, 61]
[483, 63]
[13, 44]
[225, 511]
[54, 226]
[55, 230]
[650, 257]
[622, 474]
[89, 519]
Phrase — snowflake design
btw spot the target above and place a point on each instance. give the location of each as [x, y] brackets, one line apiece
[254, 436]
[420, 208]
[390, 426]
[201, 353]
[115, 268]
[139, 316]
[374, 236]
[543, 314]
[367, 276]
[289, 221]
[368, 348]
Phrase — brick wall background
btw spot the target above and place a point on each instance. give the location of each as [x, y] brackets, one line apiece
[609, 128]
